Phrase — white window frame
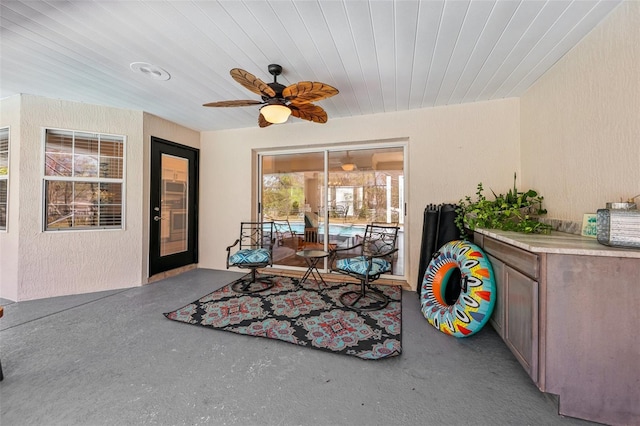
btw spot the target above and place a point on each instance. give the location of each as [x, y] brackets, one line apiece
[79, 179]
[5, 178]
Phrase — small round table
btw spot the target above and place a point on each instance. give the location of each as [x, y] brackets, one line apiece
[312, 257]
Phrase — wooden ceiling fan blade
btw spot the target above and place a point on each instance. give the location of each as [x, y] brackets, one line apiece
[252, 83]
[309, 112]
[238, 103]
[308, 91]
[262, 122]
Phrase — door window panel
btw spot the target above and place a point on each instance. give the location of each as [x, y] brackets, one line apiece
[174, 202]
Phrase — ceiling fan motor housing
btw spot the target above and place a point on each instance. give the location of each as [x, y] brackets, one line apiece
[275, 70]
[278, 88]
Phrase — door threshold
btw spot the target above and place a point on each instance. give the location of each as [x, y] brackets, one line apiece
[171, 273]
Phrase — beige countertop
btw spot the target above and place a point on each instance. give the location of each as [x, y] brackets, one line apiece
[559, 243]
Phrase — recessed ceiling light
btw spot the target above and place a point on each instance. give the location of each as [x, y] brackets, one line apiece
[150, 70]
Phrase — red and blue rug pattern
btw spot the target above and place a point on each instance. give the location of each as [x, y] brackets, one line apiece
[303, 315]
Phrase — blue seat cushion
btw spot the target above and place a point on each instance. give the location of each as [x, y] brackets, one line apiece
[359, 265]
[250, 256]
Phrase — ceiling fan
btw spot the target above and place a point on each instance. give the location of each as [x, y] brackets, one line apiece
[280, 101]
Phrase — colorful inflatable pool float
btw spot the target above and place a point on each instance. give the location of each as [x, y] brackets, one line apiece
[474, 305]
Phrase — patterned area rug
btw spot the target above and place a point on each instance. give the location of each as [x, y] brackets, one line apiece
[302, 315]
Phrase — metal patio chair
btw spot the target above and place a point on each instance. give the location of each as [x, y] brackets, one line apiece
[253, 250]
[375, 255]
[285, 236]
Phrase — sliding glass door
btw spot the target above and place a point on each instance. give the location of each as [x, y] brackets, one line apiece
[325, 198]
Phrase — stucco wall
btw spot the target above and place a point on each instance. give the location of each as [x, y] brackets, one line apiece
[10, 116]
[36, 264]
[59, 263]
[450, 150]
[580, 123]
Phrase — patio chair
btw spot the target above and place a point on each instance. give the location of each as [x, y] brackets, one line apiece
[340, 212]
[285, 236]
[374, 257]
[253, 250]
[310, 229]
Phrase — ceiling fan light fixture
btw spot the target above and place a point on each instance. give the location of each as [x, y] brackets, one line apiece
[275, 113]
[348, 167]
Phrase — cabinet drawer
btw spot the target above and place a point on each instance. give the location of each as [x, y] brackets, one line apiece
[521, 260]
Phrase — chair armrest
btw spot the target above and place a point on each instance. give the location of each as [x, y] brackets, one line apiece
[370, 258]
[229, 251]
[346, 248]
[379, 255]
[233, 245]
[333, 253]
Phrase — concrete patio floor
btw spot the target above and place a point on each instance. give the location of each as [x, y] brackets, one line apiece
[112, 358]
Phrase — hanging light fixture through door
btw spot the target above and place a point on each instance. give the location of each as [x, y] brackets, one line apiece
[348, 165]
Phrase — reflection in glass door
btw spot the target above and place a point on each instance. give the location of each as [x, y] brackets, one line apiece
[174, 201]
[365, 186]
[304, 192]
[291, 193]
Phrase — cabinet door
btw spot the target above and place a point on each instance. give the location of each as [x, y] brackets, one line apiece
[497, 318]
[521, 319]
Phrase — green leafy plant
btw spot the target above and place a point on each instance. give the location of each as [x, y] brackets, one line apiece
[513, 211]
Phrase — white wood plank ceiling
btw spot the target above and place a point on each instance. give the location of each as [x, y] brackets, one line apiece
[383, 55]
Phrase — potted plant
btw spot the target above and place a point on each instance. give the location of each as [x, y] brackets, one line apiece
[514, 211]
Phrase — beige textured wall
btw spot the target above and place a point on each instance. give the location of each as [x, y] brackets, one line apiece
[35, 264]
[10, 116]
[60, 263]
[450, 150]
[580, 123]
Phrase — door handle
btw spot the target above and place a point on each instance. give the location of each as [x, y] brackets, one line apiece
[157, 218]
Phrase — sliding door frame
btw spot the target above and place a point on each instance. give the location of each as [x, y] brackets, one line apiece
[326, 150]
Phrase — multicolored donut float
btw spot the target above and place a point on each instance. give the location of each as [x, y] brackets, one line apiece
[474, 305]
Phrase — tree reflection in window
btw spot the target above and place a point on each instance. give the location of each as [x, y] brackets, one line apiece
[83, 180]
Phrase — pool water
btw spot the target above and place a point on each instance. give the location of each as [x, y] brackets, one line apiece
[334, 230]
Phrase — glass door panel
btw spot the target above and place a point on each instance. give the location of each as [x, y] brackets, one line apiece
[291, 197]
[174, 200]
[359, 187]
[365, 186]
